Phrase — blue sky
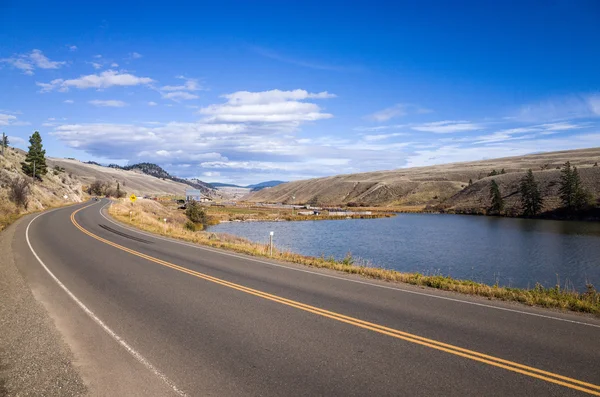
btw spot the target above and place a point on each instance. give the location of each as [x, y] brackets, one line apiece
[249, 91]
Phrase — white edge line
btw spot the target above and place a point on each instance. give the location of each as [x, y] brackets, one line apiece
[109, 331]
[343, 278]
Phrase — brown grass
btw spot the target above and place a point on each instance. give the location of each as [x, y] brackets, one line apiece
[148, 215]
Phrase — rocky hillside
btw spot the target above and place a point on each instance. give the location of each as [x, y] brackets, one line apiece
[58, 187]
[446, 185]
[131, 181]
[65, 182]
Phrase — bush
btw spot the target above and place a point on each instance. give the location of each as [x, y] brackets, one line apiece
[196, 214]
[97, 188]
[189, 225]
[18, 192]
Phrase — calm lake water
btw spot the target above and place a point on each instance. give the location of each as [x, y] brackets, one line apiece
[513, 252]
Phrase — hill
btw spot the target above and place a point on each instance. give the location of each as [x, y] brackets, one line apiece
[219, 184]
[445, 186]
[254, 188]
[133, 180]
[158, 172]
[57, 188]
[262, 185]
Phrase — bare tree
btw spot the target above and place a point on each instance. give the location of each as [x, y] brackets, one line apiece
[18, 191]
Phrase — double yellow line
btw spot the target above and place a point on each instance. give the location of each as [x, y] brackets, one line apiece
[455, 350]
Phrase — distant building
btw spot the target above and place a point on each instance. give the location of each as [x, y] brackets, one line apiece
[193, 194]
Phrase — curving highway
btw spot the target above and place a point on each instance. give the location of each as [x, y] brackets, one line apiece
[146, 315]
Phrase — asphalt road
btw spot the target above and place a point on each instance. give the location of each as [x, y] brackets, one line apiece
[148, 316]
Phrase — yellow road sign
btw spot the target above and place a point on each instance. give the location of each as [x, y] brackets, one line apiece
[132, 198]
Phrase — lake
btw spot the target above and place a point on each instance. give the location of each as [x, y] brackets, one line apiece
[513, 252]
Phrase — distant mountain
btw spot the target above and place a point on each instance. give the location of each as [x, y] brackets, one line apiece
[262, 185]
[219, 184]
[256, 187]
[158, 172]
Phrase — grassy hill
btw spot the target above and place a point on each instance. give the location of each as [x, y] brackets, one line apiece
[66, 180]
[444, 186]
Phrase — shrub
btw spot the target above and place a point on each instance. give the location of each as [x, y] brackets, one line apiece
[97, 188]
[196, 214]
[18, 192]
[189, 225]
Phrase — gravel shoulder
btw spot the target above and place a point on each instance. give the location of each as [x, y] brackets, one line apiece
[34, 358]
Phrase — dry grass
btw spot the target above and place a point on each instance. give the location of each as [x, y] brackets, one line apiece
[148, 215]
[253, 213]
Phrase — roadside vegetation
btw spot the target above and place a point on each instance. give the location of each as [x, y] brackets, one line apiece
[26, 185]
[149, 216]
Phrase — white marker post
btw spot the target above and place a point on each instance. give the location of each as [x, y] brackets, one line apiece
[130, 216]
[271, 243]
[165, 225]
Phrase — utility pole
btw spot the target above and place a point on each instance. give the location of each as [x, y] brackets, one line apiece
[2, 143]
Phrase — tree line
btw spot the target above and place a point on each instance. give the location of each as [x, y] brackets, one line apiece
[573, 195]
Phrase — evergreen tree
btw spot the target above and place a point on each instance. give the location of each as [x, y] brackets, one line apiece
[502, 172]
[566, 192]
[580, 198]
[36, 154]
[493, 173]
[4, 142]
[497, 202]
[470, 182]
[531, 198]
[572, 193]
[118, 190]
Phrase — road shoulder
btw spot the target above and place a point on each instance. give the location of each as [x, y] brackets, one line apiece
[34, 358]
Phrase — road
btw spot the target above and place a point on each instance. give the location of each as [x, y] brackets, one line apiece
[148, 316]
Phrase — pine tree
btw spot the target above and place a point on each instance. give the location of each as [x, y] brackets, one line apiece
[566, 192]
[36, 157]
[470, 182]
[502, 172]
[497, 202]
[4, 142]
[531, 198]
[118, 190]
[580, 198]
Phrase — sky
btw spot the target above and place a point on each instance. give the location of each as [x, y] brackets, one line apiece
[243, 92]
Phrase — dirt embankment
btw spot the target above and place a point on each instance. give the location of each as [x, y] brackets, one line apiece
[446, 185]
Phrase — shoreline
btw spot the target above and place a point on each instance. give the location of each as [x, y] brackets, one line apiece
[146, 219]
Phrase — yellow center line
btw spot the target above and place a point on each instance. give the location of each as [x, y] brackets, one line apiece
[448, 348]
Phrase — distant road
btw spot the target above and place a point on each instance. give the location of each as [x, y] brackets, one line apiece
[149, 316]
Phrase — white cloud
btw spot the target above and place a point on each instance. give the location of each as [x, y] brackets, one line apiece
[188, 85]
[96, 65]
[456, 153]
[273, 106]
[69, 101]
[105, 79]
[447, 127]
[568, 107]
[152, 103]
[108, 103]
[11, 119]
[179, 95]
[114, 65]
[398, 110]
[381, 137]
[29, 62]
[135, 55]
[7, 119]
[72, 48]
[308, 64]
